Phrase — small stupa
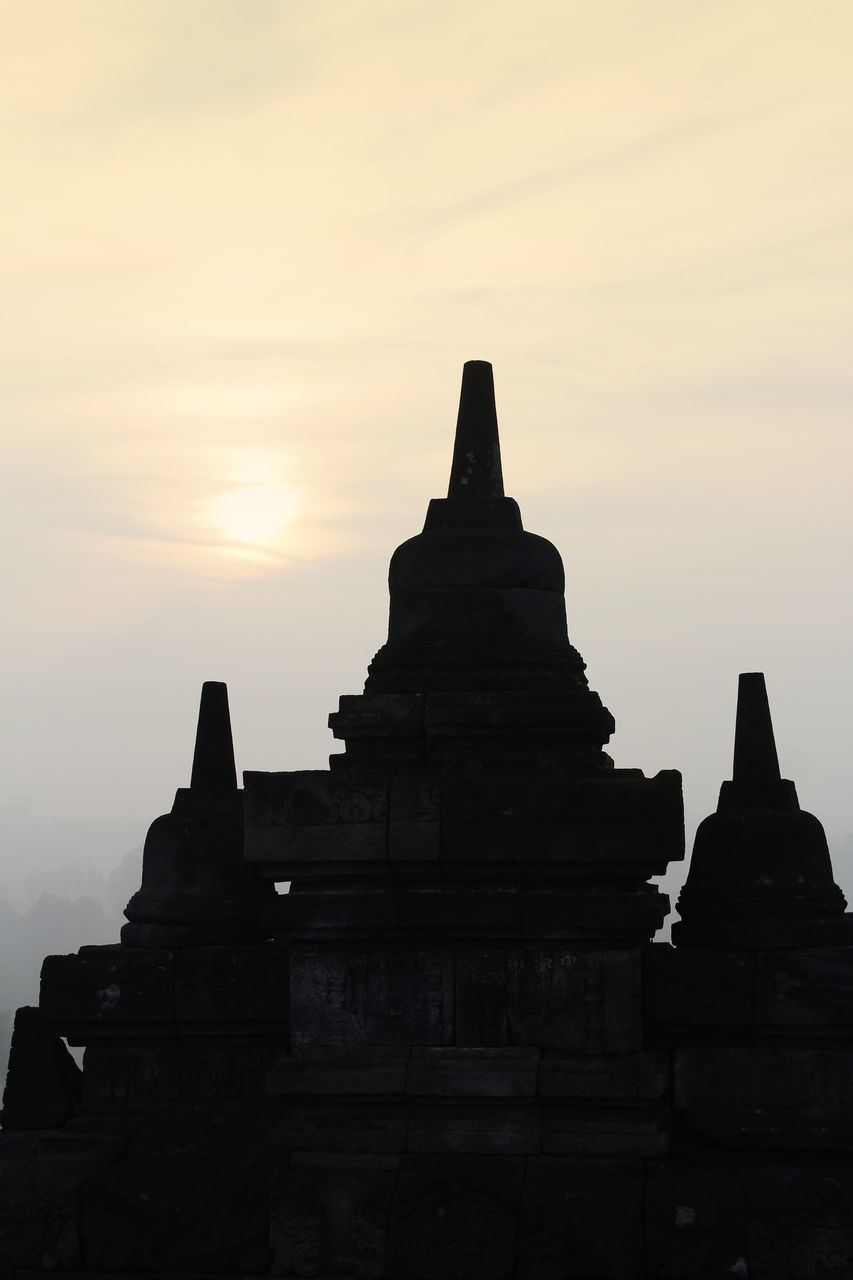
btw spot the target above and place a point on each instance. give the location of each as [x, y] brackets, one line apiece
[196, 888]
[760, 873]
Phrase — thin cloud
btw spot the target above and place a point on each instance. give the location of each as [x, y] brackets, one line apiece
[617, 160]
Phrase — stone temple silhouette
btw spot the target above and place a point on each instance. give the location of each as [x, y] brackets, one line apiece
[452, 1050]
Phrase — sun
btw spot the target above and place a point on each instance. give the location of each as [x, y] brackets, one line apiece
[254, 516]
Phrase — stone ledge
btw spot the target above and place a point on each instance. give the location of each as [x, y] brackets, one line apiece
[451, 911]
[614, 824]
[638, 1076]
[118, 993]
[507, 1127]
[705, 995]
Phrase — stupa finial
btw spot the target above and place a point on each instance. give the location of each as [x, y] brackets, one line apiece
[476, 469]
[755, 759]
[213, 758]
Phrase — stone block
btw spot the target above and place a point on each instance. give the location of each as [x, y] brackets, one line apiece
[491, 843]
[175, 1080]
[480, 997]
[365, 1125]
[383, 715]
[599, 1129]
[800, 1222]
[455, 1216]
[618, 824]
[597, 914]
[415, 797]
[44, 1083]
[414, 817]
[581, 1220]
[582, 1000]
[474, 1127]
[179, 1202]
[111, 992]
[374, 1070]
[315, 798]
[698, 992]
[329, 1215]
[286, 851]
[43, 1176]
[414, 842]
[472, 1072]
[243, 989]
[807, 990]
[380, 997]
[767, 1096]
[636, 1076]
[314, 817]
[695, 1224]
[382, 731]
[39, 1206]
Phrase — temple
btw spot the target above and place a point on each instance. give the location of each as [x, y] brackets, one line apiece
[453, 1049]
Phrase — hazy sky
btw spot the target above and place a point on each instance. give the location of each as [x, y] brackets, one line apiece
[247, 246]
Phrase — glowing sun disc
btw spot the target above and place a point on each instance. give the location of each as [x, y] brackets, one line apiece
[253, 514]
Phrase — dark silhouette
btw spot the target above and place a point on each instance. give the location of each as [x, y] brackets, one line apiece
[760, 874]
[451, 1051]
[195, 887]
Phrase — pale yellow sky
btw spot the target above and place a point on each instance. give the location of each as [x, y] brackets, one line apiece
[247, 245]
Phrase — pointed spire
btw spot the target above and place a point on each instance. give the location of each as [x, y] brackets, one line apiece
[476, 469]
[756, 781]
[755, 747]
[213, 759]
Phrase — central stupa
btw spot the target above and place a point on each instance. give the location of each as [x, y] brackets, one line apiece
[474, 800]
